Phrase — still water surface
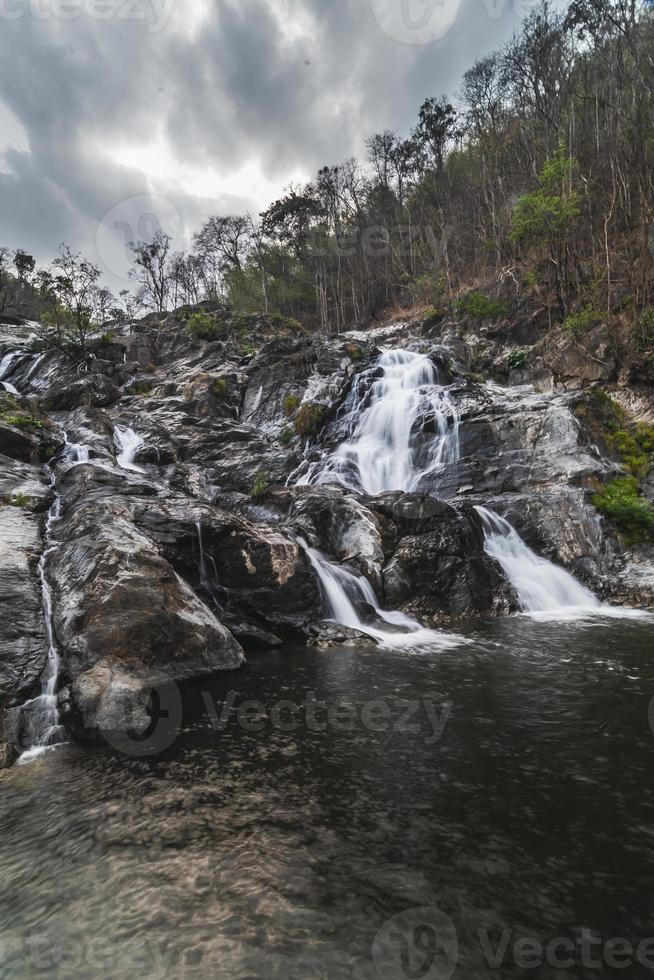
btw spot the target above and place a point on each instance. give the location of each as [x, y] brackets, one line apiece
[510, 789]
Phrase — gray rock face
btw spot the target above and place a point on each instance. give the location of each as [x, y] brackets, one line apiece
[22, 633]
[436, 565]
[163, 571]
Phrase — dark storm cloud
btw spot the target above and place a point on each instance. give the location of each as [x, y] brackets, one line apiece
[291, 84]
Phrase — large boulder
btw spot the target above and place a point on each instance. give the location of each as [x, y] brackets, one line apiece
[437, 567]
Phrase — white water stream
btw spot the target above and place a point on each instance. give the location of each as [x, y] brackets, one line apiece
[6, 365]
[387, 449]
[343, 590]
[129, 443]
[540, 585]
[41, 716]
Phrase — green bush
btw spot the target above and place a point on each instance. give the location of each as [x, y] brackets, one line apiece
[581, 322]
[632, 454]
[286, 436]
[17, 500]
[621, 503]
[140, 388]
[517, 359]
[291, 405]
[354, 352]
[205, 326]
[22, 421]
[309, 420]
[481, 307]
[260, 485]
[219, 388]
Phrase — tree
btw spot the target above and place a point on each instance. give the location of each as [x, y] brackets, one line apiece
[74, 298]
[548, 215]
[437, 127]
[152, 272]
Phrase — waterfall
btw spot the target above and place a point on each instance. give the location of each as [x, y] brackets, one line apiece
[74, 453]
[540, 585]
[6, 365]
[40, 715]
[385, 450]
[343, 591]
[129, 443]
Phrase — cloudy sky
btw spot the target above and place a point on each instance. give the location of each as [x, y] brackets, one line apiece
[119, 116]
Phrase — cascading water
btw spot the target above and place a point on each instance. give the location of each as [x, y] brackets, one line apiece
[539, 585]
[6, 364]
[343, 591]
[129, 443]
[386, 449]
[40, 716]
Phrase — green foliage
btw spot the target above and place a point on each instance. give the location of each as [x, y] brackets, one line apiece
[205, 326]
[517, 359]
[633, 456]
[480, 307]
[291, 405]
[18, 500]
[286, 436]
[354, 352]
[219, 388]
[140, 388]
[309, 420]
[432, 314]
[621, 503]
[12, 414]
[260, 485]
[548, 212]
[581, 322]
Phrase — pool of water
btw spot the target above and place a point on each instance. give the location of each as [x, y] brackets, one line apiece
[485, 811]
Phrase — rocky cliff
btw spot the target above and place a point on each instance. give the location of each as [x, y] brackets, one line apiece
[157, 497]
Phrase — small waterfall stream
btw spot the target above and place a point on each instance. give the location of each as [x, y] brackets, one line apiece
[384, 451]
[343, 591]
[540, 585]
[40, 715]
[129, 443]
[6, 365]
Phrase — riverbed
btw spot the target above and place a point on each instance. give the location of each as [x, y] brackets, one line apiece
[356, 813]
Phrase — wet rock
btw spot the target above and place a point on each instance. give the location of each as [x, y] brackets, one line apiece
[325, 635]
[94, 390]
[338, 523]
[22, 633]
[116, 596]
[113, 700]
[437, 567]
